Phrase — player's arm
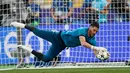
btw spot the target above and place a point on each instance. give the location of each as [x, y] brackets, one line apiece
[87, 45]
[84, 43]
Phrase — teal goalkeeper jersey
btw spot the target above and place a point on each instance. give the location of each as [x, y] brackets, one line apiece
[71, 38]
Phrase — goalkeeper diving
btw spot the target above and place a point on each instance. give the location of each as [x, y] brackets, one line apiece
[60, 40]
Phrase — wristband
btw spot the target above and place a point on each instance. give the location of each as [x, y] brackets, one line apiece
[92, 47]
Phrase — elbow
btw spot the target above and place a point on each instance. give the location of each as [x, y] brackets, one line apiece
[83, 43]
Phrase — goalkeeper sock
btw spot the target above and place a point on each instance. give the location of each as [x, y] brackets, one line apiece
[31, 28]
[38, 55]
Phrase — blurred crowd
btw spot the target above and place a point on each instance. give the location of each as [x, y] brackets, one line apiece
[35, 12]
[85, 11]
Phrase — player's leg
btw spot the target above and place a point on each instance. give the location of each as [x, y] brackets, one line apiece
[39, 55]
[52, 53]
[47, 35]
[53, 37]
[57, 46]
[44, 34]
[30, 50]
[54, 50]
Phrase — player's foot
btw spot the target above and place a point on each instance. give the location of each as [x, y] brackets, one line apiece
[28, 48]
[17, 24]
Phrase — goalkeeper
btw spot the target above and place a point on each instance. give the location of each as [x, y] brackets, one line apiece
[62, 39]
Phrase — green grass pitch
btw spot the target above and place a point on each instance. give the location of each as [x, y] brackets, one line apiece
[71, 70]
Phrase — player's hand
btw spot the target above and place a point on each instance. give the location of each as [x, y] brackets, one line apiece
[97, 49]
[101, 49]
[17, 24]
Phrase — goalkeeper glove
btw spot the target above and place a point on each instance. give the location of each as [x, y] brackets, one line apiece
[97, 49]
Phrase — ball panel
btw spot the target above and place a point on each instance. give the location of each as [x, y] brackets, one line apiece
[103, 55]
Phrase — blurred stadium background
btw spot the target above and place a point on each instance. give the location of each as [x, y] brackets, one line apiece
[114, 34]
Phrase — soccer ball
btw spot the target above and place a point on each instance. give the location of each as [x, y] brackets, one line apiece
[103, 55]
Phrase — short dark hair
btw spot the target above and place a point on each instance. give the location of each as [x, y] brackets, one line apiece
[95, 24]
